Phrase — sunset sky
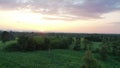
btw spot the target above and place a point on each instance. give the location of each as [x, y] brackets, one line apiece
[79, 16]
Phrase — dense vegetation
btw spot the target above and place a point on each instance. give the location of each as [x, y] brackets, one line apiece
[67, 50]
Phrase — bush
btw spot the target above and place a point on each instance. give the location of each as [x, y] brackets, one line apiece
[6, 36]
[89, 61]
[11, 47]
[59, 43]
[77, 47]
[26, 43]
[103, 53]
[42, 43]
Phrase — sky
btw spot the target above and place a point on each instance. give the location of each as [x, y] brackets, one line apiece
[74, 16]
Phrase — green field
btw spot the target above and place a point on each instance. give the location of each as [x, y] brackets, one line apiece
[44, 59]
[57, 58]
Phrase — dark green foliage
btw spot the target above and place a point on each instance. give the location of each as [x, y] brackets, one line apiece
[59, 43]
[77, 43]
[46, 44]
[22, 43]
[40, 43]
[96, 50]
[89, 61]
[31, 44]
[73, 43]
[6, 36]
[115, 45]
[11, 47]
[87, 44]
[26, 43]
[94, 38]
[103, 53]
[77, 47]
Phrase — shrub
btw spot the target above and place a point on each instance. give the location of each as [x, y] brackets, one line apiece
[59, 43]
[42, 43]
[89, 61]
[103, 53]
[11, 47]
[6, 36]
[26, 43]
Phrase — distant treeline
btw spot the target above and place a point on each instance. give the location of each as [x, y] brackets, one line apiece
[92, 37]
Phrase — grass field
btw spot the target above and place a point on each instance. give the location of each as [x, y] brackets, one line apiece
[57, 58]
[44, 59]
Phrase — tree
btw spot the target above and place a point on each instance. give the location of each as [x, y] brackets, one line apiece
[87, 44]
[104, 49]
[47, 43]
[77, 44]
[115, 48]
[89, 61]
[5, 36]
[103, 53]
[59, 43]
[40, 43]
[73, 43]
[26, 43]
[22, 43]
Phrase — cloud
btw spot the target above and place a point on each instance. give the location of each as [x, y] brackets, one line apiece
[13, 4]
[98, 7]
[78, 9]
[116, 23]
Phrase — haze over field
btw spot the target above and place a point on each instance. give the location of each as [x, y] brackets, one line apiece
[86, 16]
